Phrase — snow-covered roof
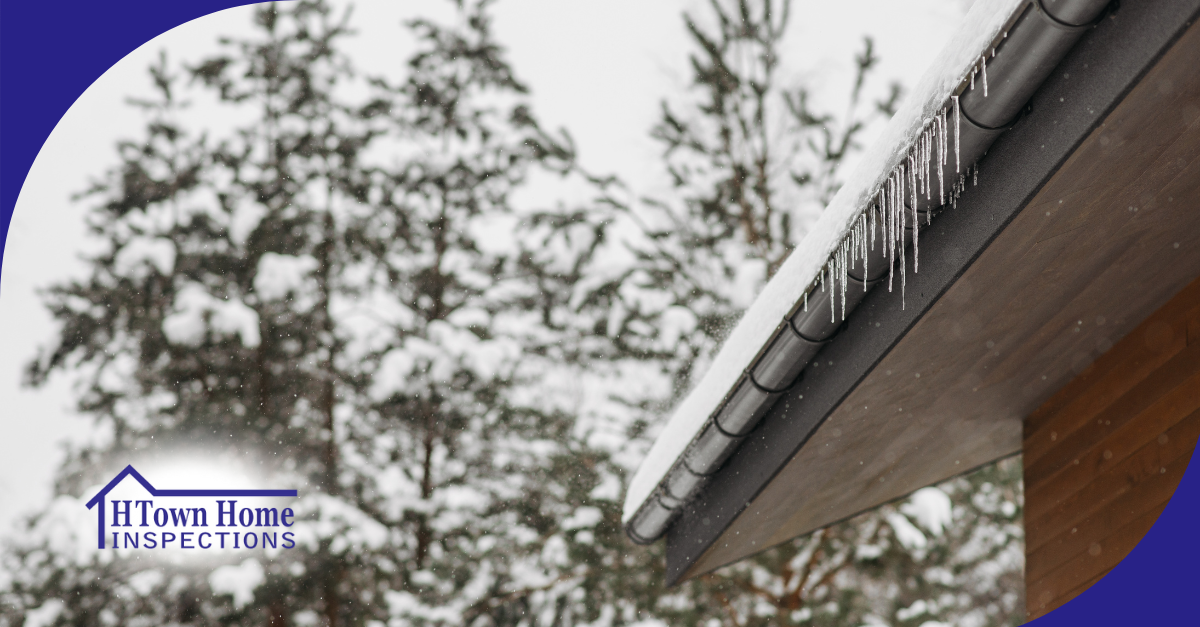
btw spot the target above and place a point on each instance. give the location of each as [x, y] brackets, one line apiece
[983, 25]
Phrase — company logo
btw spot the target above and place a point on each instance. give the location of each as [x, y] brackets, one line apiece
[190, 519]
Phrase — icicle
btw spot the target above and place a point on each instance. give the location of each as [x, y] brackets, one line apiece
[941, 148]
[912, 179]
[862, 242]
[945, 120]
[806, 300]
[975, 169]
[860, 245]
[923, 173]
[891, 229]
[865, 252]
[918, 172]
[845, 274]
[903, 264]
[897, 229]
[983, 71]
[928, 163]
[845, 278]
[886, 227]
[930, 154]
[957, 125]
[832, 291]
[873, 221]
[925, 165]
[898, 218]
[851, 242]
[854, 233]
[916, 239]
[973, 78]
[910, 174]
[921, 164]
[946, 136]
[916, 225]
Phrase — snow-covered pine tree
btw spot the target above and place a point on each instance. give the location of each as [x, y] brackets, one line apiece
[338, 288]
[752, 160]
[750, 164]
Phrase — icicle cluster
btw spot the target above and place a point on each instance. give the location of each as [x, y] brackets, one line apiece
[894, 211]
[889, 215]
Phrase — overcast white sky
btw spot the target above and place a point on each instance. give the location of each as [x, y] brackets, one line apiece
[598, 68]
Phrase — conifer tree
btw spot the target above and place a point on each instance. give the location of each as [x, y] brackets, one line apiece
[342, 289]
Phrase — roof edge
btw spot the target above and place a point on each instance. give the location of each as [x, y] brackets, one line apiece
[1113, 59]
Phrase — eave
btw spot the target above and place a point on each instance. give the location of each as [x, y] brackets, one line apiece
[862, 428]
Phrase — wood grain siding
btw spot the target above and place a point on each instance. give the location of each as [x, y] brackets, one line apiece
[1104, 455]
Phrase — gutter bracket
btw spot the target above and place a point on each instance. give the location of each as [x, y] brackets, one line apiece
[1071, 28]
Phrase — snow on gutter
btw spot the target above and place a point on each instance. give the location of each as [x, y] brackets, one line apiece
[981, 28]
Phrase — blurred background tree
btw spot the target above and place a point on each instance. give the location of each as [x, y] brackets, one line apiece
[340, 289]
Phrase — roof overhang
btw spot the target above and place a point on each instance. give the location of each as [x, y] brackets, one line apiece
[1086, 218]
[983, 28]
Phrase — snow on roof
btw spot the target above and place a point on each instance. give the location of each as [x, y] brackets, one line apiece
[983, 25]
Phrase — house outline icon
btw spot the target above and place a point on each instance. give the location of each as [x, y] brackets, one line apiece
[130, 471]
